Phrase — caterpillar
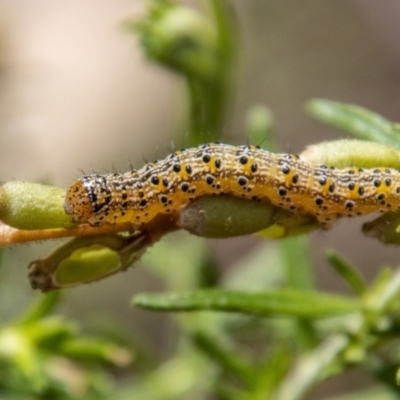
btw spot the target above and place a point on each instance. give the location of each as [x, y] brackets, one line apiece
[249, 172]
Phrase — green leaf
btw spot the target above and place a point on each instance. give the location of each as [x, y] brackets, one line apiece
[384, 292]
[272, 302]
[310, 369]
[270, 373]
[230, 361]
[41, 308]
[298, 263]
[96, 351]
[356, 120]
[347, 271]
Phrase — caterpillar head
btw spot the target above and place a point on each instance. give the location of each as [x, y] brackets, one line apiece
[77, 202]
[87, 199]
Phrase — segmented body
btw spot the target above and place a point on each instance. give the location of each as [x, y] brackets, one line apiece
[244, 171]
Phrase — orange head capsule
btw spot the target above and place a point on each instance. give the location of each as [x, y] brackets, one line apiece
[77, 202]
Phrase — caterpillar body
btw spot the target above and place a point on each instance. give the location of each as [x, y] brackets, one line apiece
[284, 180]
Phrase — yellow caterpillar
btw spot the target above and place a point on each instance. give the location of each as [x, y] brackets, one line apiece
[244, 171]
